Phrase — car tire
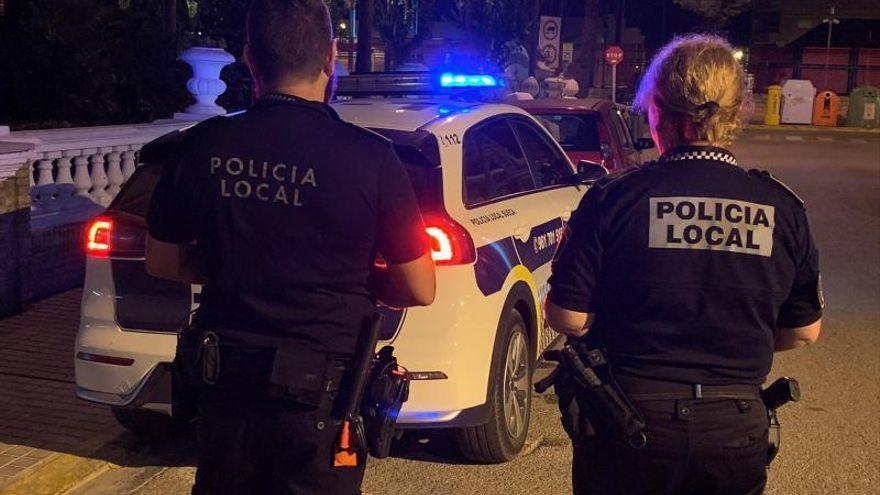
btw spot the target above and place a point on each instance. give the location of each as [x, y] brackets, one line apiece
[510, 398]
[145, 423]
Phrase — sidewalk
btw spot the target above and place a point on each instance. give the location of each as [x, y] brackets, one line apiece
[810, 128]
[41, 420]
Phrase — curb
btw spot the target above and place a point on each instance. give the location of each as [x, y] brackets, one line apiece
[810, 128]
[62, 472]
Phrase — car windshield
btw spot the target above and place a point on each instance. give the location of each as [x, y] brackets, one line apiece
[575, 132]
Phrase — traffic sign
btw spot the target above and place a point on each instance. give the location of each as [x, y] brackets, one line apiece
[567, 52]
[614, 54]
[549, 35]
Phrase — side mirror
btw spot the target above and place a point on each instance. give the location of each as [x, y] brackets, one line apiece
[588, 171]
[644, 144]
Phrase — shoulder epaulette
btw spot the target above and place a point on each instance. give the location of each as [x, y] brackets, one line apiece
[617, 178]
[767, 176]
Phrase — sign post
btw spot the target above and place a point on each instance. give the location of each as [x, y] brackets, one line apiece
[614, 55]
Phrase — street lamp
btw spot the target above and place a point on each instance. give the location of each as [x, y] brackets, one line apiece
[738, 54]
[831, 21]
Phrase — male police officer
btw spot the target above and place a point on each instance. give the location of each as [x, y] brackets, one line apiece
[281, 211]
[689, 272]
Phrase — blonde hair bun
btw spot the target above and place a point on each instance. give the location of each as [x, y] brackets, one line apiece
[697, 86]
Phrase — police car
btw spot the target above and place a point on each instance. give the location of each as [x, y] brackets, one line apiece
[495, 190]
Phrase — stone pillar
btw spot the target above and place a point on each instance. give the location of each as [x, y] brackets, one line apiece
[15, 234]
[205, 85]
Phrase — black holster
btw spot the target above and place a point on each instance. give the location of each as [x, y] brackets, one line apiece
[590, 401]
[386, 391]
[779, 393]
[574, 412]
[195, 366]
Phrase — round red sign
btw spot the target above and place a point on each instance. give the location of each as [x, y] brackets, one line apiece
[614, 54]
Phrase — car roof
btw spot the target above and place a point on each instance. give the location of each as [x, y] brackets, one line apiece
[583, 104]
[411, 114]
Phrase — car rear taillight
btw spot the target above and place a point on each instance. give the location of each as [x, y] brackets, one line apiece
[451, 244]
[116, 234]
[98, 237]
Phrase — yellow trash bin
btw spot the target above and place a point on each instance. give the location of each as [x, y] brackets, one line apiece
[774, 98]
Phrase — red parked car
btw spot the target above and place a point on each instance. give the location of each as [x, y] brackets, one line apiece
[592, 129]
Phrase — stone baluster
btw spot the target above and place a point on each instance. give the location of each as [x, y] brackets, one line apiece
[64, 186]
[99, 177]
[44, 172]
[44, 193]
[81, 178]
[114, 171]
[63, 165]
[40, 193]
[128, 163]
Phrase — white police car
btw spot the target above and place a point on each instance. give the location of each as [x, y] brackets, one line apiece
[494, 189]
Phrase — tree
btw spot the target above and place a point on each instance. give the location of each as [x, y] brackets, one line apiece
[495, 23]
[87, 62]
[403, 25]
[716, 14]
[585, 56]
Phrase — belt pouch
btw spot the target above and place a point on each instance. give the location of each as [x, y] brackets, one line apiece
[299, 376]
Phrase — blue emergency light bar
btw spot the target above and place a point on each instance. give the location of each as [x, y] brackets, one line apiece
[450, 80]
[416, 84]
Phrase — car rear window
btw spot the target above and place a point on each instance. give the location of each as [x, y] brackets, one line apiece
[420, 154]
[575, 132]
[135, 196]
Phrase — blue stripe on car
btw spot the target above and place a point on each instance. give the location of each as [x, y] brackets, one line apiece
[495, 260]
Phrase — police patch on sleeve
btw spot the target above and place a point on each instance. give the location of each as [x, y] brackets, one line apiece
[713, 224]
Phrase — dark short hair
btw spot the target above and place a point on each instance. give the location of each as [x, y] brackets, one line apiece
[289, 39]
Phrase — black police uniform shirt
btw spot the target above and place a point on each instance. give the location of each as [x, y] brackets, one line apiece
[690, 264]
[288, 205]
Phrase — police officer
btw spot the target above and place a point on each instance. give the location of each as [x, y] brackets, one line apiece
[281, 211]
[690, 272]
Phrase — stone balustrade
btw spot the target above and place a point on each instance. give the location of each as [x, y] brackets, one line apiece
[75, 173]
[52, 181]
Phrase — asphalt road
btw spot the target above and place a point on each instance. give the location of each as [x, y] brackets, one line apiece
[831, 442]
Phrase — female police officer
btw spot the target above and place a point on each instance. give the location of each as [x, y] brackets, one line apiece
[690, 271]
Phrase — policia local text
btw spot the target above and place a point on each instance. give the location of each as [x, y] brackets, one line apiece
[250, 179]
[716, 224]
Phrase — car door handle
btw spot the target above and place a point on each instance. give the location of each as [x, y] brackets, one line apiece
[522, 233]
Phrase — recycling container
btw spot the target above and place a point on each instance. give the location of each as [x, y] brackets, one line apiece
[825, 108]
[864, 107]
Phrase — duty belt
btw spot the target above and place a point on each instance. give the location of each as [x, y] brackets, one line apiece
[649, 390]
